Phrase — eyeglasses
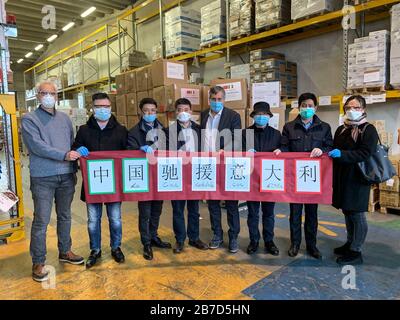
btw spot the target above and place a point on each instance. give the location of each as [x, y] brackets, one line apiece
[45, 93]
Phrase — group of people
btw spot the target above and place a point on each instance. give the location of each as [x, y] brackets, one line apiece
[54, 151]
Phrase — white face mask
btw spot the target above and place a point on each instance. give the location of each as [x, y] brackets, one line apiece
[353, 115]
[184, 117]
[48, 101]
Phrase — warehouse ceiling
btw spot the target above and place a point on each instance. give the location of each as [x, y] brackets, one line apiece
[29, 22]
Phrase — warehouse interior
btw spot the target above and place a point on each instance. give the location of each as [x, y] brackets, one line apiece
[108, 41]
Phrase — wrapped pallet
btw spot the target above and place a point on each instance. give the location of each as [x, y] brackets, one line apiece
[272, 13]
[395, 47]
[305, 8]
[213, 23]
[79, 72]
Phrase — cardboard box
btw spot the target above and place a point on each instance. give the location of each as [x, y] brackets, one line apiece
[277, 121]
[132, 121]
[235, 90]
[149, 77]
[120, 83]
[131, 104]
[142, 79]
[139, 96]
[196, 117]
[192, 92]
[388, 199]
[163, 118]
[262, 54]
[121, 105]
[123, 120]
[113, 100]
[130, 81]
[243, 117]
[390, 185]
[205, 92]
[150, 93]
[165, 98]
[293, 114]
[165, 72]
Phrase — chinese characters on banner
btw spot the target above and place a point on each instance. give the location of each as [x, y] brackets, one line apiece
[129, 176]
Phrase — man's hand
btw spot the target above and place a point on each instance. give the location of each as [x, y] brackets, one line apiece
[316, 153]
[72, 156]
[277, 152]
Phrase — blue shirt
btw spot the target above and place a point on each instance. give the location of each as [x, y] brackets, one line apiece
[307, 125]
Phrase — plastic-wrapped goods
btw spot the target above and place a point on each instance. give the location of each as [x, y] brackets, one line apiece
[241, 17]
[80, 74]
[272, 12]
[234, 18]
[368, 61]
[213, 23]
[395, 47]
[304, 8]
[134, 59]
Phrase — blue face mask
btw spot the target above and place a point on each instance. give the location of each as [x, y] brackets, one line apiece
[102, 114]
[307, 113]
[149, 117]
[216, 106]
[261, 120]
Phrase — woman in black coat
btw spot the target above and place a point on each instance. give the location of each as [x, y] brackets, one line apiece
[354, 142]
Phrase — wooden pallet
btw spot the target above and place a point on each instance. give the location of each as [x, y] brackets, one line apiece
[271, 27]
[393, 210]
[373, 207]
[243, 35]
[317, 14]
[211, 44]
[366, 90]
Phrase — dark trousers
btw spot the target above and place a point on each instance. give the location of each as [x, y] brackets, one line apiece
[214, 208]
[149, 220]
[268, 220]
[357, 229]
[178, 211]
[310, 224]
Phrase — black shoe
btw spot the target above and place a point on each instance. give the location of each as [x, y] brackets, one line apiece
[252, 247]
[294, 250]
[148, 252]
[314, 252]
[198, 244]
[340, 251]
[351, 257]
[157, 242]
[271, 248]
[178, 247]
[118, 255]
[91, 261]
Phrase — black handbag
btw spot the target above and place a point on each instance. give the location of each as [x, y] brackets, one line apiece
[377, 168]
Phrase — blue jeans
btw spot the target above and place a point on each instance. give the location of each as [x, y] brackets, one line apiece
[45, 190]
[232, 209]
[268, 220]
[95, 211]
[178, 209]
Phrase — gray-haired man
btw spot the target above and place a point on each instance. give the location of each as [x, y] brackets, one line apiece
[48, 135]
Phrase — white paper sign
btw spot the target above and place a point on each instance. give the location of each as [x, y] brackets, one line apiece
[378, 98]
[135, 175]
[267, 92]
[233, 91]
[169, 174]
[7, 200]
[308, 176]
[325, 100]
[372, 76]
[193, 95]
[175, 71]
[204, 174]
[237, 174]
[274, 121]
[369, 55]
[294, 104]
[101, 178]
[272, 175]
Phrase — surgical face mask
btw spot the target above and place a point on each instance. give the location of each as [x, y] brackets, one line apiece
[353, 114]
[307, 113]
[48, 101]
[149, 117]
[102, 114]
[216, 106]
[183, 117]
[261, 120]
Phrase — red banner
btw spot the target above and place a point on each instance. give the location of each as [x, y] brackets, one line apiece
[114, 176]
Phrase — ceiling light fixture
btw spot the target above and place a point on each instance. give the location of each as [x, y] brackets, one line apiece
[88, 11]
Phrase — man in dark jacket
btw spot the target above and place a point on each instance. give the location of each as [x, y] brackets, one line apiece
[218, 126]
[102, 133]
[264, 139]
[184, 135]
[147, 136]
[306, 133]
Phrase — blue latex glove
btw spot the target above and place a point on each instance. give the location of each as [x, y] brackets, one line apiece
[83, 151]
[147, 149]
[252, 150]
[335, 153]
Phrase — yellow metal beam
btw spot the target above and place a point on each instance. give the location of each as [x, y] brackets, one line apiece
[136, 8]
[155, 13]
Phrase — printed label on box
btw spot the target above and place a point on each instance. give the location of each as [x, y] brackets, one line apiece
[233, 91]
[175, 71]
[267, 92]
[369, 55]
[372, 76]
[193, 95]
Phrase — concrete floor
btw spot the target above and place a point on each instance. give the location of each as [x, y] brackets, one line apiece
[213, 274]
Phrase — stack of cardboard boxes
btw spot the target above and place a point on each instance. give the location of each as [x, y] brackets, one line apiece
[134, 59]
[268, 66]
[272, 13]
[368, 61]
[385, 136]
[182, 30]
[305, 8]
[389, 191]
[395, 47]
[241, 17]
[213, 23]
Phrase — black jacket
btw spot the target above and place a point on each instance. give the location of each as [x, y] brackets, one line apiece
[295, 138]
[230, 119]
[172, 134]
[137, 136]
[112, 137]
[266, 139]
[349, 191]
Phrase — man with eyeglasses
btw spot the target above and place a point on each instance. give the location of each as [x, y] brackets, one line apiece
[306, 133]
[48, 136]
[102, 133]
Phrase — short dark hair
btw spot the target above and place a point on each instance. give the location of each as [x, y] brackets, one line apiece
[357, 97]
[100, 96]
[306, 96]
[184, 101]
[147, 101]
[214, 90]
